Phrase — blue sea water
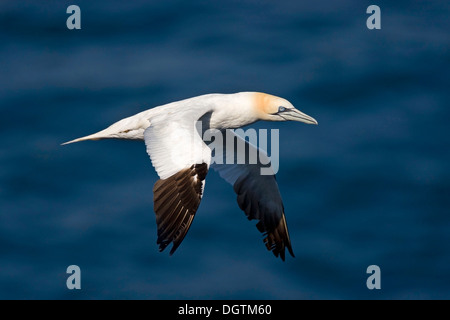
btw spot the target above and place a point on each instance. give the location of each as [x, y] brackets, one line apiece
[369, 185]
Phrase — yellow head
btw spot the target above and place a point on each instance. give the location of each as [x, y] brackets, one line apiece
[272, 108]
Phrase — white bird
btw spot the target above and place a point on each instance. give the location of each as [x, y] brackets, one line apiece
[182, 159]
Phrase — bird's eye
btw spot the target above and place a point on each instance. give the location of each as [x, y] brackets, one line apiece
[281, 109]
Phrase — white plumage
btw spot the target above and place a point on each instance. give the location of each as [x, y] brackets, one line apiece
[182, 159]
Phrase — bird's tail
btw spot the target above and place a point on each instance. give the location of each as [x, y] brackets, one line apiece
[96, 136]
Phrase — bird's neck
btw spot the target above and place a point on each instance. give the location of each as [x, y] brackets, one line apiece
[231, 111]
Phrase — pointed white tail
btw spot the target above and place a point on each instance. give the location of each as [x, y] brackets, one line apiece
[96, 136]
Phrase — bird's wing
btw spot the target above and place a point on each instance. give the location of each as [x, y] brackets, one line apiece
[257, 195]
[181, 159]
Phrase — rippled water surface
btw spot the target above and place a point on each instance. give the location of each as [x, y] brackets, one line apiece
[369, 185]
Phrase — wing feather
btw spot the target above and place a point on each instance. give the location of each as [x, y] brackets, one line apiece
[181, 159]
[174, 218]
[258, 196]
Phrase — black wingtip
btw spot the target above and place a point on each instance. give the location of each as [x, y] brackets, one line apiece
[291, 252]
[175, 202]
[174, 248]
[282, 254]
[163, 244]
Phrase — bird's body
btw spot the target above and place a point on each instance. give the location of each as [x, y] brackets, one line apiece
[182, 160]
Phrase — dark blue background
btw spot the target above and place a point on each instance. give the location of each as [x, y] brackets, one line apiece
[369, 185]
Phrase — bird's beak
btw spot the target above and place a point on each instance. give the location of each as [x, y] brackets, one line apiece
[296, 115]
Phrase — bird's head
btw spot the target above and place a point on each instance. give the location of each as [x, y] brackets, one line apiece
[272, 108]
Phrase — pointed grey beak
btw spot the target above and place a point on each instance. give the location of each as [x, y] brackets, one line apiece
[296, 115]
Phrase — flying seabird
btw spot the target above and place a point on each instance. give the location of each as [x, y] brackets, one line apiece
[182, 159]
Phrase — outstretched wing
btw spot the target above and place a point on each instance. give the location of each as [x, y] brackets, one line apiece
[175, 201]
[181, 159]
[257, 195]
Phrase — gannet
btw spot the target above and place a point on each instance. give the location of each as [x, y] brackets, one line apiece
[182, 159]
